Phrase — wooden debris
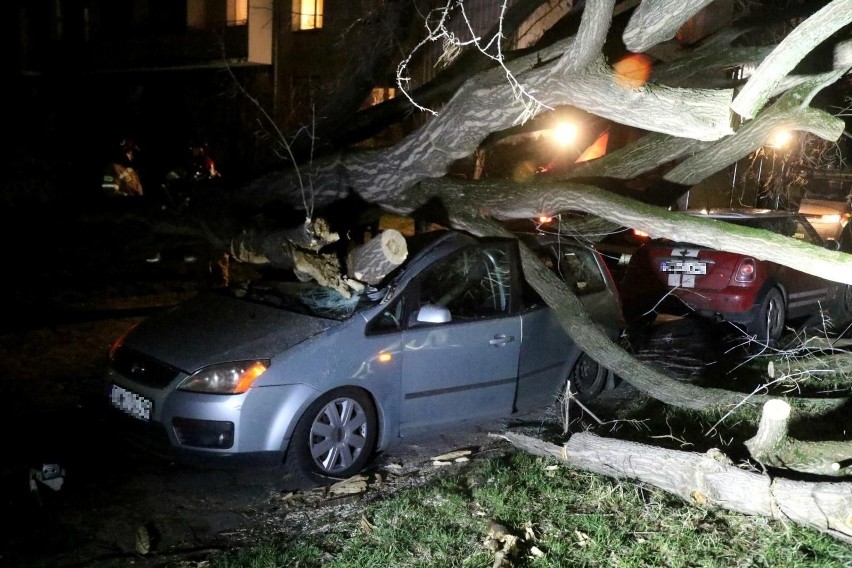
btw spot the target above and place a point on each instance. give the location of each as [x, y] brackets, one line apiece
[142, 543]
[501, 542]
[350, 486]
[376, 258]
[366, 525]
[771, 446]
[452, 456]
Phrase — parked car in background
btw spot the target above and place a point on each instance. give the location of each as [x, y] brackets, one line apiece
[760, 295]
[618, 247]
[292, 372]
[830, 219]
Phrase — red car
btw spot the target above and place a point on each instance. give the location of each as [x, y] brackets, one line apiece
[761, 296]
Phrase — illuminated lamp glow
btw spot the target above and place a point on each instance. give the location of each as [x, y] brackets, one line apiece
[564, 133]
[830, 218]
[781, 138]
[544, 219]
[249, 376]
[385, 357]
[640, 233]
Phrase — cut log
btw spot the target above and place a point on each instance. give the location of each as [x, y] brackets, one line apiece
[772, 447]
[707, 480]
[772, 429]
[375, 259]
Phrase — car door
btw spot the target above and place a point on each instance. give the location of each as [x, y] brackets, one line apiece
[806, 293]
[467, 366]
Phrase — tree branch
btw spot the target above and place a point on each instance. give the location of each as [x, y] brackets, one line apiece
[509, 200]
[655, 21]
[788, 53]
[789, 112]
[706, 480]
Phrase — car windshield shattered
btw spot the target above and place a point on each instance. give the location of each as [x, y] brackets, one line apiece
[308, 298]
[287, 292]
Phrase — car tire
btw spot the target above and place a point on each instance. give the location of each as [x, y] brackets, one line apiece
[771, 317]
[334, 438]
[588, 378]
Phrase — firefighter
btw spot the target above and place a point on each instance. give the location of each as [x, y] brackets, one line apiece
[121, 176]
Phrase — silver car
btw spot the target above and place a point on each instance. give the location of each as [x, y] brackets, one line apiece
[292, 372]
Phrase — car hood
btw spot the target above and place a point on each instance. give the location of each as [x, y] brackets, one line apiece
[214, 328]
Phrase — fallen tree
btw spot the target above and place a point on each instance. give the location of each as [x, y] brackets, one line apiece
[707, 480]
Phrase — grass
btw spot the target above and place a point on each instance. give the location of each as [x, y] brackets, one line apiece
[573, 518]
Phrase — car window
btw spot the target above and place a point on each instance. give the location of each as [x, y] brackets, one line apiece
[473, 283]
[576, 266]
[390, 318]
[792, 227]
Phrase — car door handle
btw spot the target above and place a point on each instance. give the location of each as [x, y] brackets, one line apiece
[501, 339]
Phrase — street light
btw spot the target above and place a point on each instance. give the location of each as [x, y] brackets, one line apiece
[780, 138]
[565, 133]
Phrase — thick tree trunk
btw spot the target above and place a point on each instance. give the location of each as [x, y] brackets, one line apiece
[507, 200]
[487, 103]
[813, 369]
[707, 480]
[633, 160]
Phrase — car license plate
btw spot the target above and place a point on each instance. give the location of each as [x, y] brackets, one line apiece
[683, 266]
[131, 403]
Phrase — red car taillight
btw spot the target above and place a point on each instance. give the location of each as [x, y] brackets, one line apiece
[746, 270]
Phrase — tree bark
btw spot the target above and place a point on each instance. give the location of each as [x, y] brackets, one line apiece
[655, 21]
[486, 103]
[790, 112]
[375, 259]
[788, 53]
[508, 200]
[813, 369]
[633, 160]
[707, 480]
[772, 447]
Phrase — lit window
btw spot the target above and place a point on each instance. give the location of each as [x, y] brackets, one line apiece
[379, 95]
[307, 14]
[237, 12]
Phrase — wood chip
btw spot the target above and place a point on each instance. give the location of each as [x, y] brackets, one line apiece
[355, 484]
[452, 455]
[143, 540]
[366, 525]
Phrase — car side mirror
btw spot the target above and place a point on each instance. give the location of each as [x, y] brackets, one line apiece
[832, 244]
[430, 313]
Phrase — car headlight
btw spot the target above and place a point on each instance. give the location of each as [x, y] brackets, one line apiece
[225, 378]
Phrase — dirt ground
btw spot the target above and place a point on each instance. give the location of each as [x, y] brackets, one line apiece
[114, 506]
